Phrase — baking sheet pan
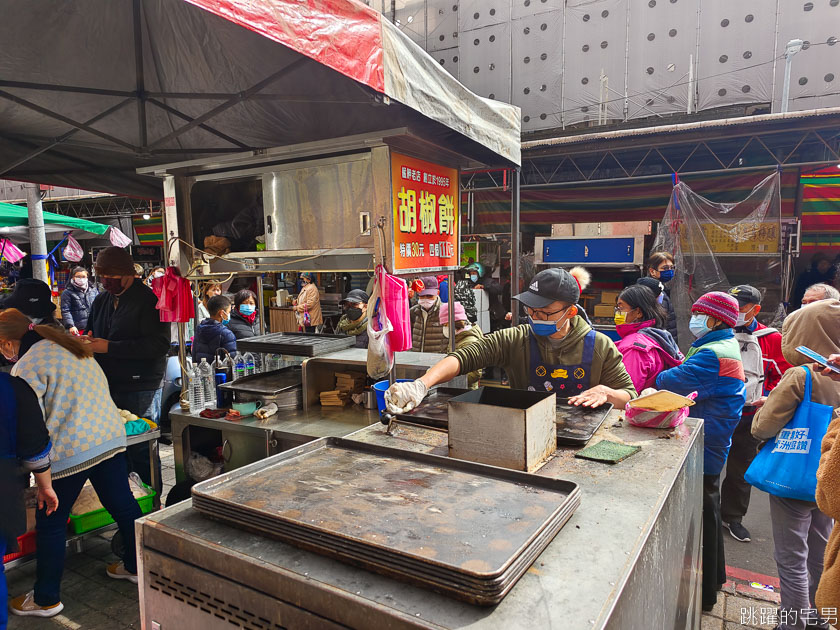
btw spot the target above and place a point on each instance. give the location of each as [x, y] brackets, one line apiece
[297, 344]
[577, 425]
[272, 383]
[434, 410]
[462, 528]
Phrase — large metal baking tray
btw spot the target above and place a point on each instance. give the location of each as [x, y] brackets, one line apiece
[298, 344]
[466, 529]
[577, 425]
[272, 383]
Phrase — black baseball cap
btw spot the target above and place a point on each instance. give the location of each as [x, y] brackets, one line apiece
[550, 285]
[745, 294]
[651, 283]
[357, 296]
[31, 297]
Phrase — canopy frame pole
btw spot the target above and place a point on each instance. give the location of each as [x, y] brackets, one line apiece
[514, 247]
[139, 74]
[37, 236]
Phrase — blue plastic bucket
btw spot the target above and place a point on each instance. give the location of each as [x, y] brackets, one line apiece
[381, 387]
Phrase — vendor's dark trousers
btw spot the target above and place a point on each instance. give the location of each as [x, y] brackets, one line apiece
[144, 404]
[110, 481]
[714, 562]
[735, 492]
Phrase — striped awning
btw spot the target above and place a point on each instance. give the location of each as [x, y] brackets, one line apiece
[149, 231]
[820, 209]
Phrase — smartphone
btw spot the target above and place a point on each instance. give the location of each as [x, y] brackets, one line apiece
[817, 358]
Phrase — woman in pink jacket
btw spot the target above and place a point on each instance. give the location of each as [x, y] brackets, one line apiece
[647, 349]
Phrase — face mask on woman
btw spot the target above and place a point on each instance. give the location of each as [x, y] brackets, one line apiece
[354, 314]
[426, 303]
[697, 325]
[474, 277]
[247, 309]
[158, 274]
[82, 283]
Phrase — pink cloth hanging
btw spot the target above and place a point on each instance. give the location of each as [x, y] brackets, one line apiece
[175, 296]
[10, 251]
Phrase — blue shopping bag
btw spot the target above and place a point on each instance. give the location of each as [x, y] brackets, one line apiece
[786, 466]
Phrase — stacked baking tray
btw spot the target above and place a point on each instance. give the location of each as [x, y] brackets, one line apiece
[282, 387]
[463, 529]
[297, 344]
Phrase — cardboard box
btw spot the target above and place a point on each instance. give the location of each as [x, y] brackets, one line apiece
[604, 310]
[609, 297]
[502, 427]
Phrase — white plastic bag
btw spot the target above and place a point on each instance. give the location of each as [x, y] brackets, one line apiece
[380, 356]
[73, 251]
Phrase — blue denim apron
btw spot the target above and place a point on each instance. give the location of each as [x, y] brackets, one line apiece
[564, 380]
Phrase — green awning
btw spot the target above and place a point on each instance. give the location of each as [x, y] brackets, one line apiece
[18, 216]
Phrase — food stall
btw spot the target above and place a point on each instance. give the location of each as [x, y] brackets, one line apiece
[388, 196]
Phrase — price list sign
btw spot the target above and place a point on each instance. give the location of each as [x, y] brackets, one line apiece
[426, 227]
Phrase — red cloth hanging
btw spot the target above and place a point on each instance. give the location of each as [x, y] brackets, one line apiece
[175, 296]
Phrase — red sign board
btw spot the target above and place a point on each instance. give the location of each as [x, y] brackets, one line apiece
[426, 215]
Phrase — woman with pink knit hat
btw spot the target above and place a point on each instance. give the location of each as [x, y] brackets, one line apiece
[465, 334]
[713, 369]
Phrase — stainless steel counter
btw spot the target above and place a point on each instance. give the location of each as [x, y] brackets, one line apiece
[628, 558]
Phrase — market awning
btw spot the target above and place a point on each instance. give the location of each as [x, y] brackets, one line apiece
[14, 225]
[90, 91]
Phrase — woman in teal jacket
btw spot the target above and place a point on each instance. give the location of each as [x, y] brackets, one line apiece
[713, 369]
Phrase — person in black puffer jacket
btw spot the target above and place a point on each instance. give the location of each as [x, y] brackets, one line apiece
[129, 342]
[212, 333]
[244, 320]
[76, 300]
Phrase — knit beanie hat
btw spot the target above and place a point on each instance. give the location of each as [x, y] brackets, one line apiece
[460, 314]
[114, 261]
[719, 305]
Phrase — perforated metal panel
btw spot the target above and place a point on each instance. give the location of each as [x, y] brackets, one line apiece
[442, 24]
[735, 37]
[537, 69]
[484, 65]
[524, 8]
[410, 16]
[595, 41]
[663, 36]
[449, 59]
[815, 72]
[480, 13]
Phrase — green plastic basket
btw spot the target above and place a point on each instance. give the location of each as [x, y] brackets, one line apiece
[100, 518]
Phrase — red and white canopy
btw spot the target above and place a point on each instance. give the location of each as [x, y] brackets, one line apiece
[90, 91]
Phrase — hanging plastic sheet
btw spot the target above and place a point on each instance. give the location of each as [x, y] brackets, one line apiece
[720, 245]
[10, 252]
[73, 252]
[118, 239]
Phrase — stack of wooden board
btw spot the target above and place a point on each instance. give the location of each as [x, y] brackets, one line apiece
[334, 398]
[350, 382]
[467, 530]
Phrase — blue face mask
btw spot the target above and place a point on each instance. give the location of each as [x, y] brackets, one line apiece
[544, 328]
[667, 275]
[225, 322]
[474, 278]
[697, 325]
[247, 309]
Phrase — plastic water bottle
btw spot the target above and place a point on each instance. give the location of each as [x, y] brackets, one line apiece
[272, 362]
[208, 381]
[196, 390]
[238, 366]
[250, 364]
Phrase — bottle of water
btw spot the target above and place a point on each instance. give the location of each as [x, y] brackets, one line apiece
[238, 366]
[272, 362]
[196, 390]
[208, 381]
[250, 364]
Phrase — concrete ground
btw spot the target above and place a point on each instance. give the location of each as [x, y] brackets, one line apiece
[95, 602]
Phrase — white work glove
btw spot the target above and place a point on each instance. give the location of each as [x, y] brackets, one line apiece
[402, 397]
